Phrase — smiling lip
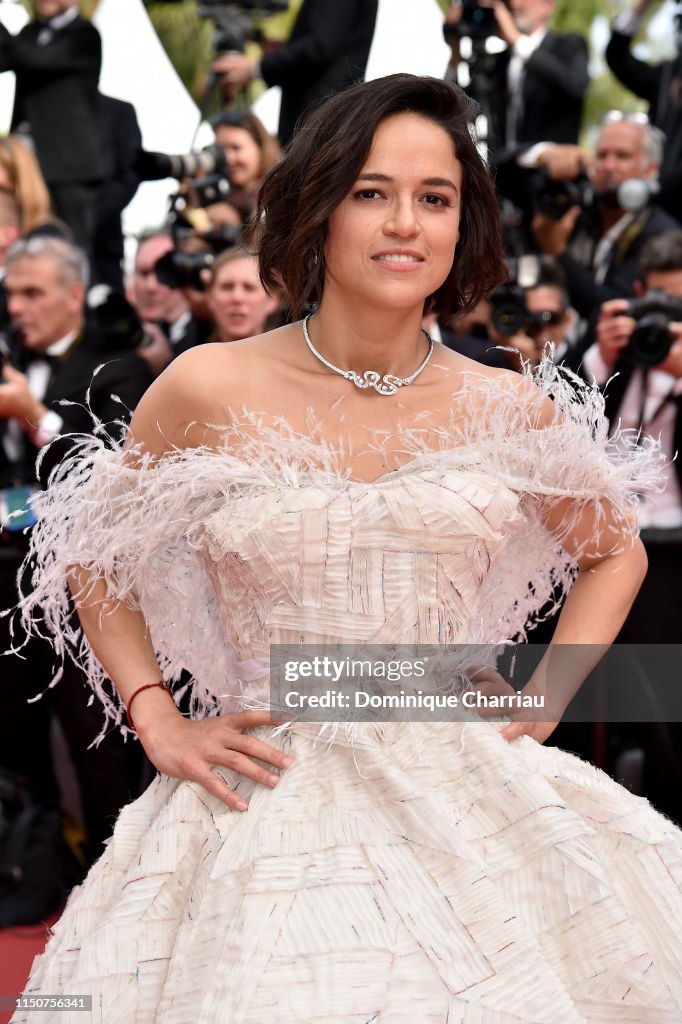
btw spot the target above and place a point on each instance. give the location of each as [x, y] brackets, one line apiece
[399, 259]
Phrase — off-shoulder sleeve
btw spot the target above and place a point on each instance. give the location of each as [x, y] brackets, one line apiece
[548, 440]
[136, 524]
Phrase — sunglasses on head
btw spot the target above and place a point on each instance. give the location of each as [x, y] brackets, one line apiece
[616, 116]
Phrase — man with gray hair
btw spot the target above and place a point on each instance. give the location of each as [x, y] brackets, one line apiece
[599, 246]
[55, 348]
[60, 348]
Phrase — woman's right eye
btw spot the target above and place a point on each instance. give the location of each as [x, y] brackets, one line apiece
[367, 194]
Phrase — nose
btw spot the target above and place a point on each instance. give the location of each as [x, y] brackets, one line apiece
[402, 220]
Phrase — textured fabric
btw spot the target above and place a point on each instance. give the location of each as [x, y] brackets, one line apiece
[399, 872]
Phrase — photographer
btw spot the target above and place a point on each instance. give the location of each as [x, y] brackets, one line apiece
[661, 86]
[533, 92]
[250, 151]
[531, 311]
[57, 60]
[598, 240]
[647, 396]
[328, 49]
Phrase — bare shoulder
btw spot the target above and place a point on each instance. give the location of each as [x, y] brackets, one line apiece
[496, 390]
[200, 390]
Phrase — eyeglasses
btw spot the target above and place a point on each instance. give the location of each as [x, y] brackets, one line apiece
[616, 116]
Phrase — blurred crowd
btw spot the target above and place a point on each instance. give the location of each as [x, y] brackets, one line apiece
[595, 282]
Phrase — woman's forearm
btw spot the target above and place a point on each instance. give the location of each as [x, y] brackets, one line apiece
[590, 621]
[120, 640]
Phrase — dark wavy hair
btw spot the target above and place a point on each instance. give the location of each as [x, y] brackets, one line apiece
[322, 164]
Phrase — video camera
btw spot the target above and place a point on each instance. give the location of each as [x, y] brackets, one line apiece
[235, 23]
[652, 339]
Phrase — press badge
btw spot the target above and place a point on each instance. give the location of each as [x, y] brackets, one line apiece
[16, 513]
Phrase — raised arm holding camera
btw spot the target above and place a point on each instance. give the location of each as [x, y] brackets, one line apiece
[661, 86]
[328, 49]
[532, 92]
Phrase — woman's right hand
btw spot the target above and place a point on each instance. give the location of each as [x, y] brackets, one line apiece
[186, 749]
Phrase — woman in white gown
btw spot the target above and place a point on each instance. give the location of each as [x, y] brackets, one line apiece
[388, 873]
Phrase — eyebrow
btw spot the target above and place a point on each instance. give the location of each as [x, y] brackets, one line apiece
[436, 182]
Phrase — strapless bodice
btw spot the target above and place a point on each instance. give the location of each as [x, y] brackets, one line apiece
[400, 560]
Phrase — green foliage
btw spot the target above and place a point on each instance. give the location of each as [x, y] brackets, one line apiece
[187, 39]
[576, 15]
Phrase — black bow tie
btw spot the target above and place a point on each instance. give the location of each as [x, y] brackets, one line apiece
[24, 358]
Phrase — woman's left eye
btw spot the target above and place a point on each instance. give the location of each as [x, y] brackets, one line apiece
[431, 199]
[368, 193]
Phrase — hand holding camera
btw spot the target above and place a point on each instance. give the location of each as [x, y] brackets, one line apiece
[648, 331]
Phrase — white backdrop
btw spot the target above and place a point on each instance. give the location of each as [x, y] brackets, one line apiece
[13, 16]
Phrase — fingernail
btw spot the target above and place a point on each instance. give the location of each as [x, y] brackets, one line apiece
[272, 780]
[288, 761]
[242, 805]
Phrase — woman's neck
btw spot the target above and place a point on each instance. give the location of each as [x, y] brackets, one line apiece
[385, 341]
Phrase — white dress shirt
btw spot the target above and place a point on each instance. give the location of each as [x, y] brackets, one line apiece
[662, 510]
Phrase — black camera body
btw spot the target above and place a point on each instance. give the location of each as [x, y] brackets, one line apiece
[476, 22]
[652, 339]
[510, 315]
[554, 198]
[178, 269]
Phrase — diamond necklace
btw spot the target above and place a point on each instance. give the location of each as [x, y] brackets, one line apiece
[386, 385]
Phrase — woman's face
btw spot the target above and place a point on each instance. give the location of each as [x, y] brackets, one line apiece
[238, 303]
[392, 240]
[243, 156]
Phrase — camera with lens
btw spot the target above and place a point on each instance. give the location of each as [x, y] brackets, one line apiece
[509, 313]
[476, 22]
[193, 251]
[235, 23]
[554, 198]
[652, 339]
[197, 163]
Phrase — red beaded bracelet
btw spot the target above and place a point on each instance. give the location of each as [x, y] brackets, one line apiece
[149, 686]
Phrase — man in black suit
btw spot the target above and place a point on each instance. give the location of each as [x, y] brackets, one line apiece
[533, 91]
[328, 49]
[54, 352]
[120, 147]
[57, 61]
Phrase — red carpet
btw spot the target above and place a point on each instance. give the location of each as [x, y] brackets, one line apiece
[18, 946]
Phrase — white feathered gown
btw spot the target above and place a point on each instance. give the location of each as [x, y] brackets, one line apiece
[401, 874]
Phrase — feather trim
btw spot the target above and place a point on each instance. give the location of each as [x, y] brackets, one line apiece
[139, 523]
